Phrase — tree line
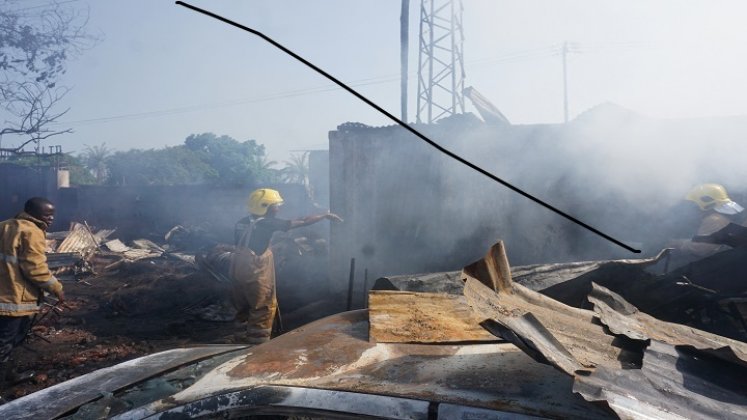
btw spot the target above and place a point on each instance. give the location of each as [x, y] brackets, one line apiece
[202, 159]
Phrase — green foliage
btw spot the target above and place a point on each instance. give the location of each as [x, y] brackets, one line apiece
[79, 175]
[95, 160]
[203, 159]
[296, 170]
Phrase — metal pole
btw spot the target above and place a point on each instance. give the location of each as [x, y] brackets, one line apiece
[404, 36]
[365, 288]
[351, 282]
[565, 83]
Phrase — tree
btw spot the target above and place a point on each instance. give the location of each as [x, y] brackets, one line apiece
[266, 174]
[79, 175]
[236, 163]
[31, 109]
[202, 159]
[95, 160]
[296, 170]
[168, 166]
[35, 43]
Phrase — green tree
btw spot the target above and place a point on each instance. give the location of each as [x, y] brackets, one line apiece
[266, 173]
[79, 175]
[202, 159]
[95, 160]
[296, 170]
[168, 166]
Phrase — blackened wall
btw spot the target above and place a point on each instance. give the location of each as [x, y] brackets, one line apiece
[19, 183]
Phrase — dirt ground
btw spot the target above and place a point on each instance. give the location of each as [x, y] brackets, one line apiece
[143, 307]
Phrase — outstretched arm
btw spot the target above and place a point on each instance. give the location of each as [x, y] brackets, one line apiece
[310, 220]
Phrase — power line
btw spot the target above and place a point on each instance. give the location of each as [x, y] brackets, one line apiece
[193, 108]
[512, 57]
[506, 58]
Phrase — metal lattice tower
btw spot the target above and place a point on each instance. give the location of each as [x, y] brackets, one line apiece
[441, 60]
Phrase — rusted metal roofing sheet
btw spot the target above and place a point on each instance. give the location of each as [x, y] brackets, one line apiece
[640, 366]
[566, 336]
[622, 318]
[536, 277]
[673, 383]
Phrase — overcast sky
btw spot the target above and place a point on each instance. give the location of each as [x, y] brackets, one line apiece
[163, 72]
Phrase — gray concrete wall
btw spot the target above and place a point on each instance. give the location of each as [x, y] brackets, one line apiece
[19, 183]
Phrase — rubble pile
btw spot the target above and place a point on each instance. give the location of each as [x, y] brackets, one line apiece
[123, 301]
[126, 299]
[615, 351]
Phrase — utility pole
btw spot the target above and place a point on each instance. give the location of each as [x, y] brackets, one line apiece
[565, 82]
[404, 36]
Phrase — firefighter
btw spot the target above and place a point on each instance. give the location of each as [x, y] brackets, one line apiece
[24, 274]
[252, 267]
[717, 210]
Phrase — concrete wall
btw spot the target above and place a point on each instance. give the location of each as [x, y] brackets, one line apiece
[19, 183]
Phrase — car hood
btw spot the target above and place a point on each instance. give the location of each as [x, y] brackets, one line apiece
[335, 354]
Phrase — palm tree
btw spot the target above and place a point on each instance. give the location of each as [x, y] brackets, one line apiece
[265, 170]
[296, 170]
[95, 159]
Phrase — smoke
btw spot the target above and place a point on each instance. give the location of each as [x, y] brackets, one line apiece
[621, 172]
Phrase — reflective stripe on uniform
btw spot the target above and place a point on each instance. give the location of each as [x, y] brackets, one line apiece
[10, 259]
[17, 307]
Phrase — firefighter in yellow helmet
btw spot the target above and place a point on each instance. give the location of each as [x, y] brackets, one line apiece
[718, 210]
[252, 266]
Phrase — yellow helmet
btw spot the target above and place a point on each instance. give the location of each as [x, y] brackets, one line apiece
[713, 197]
[260, 200]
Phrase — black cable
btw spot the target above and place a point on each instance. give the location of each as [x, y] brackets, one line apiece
[410, 129]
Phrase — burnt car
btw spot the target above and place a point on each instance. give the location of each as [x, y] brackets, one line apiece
[326, 369]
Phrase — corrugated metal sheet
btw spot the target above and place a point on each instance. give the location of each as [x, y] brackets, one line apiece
[625, 319]
[536, 277]
[79, 240]
[673, 383]
[642, 367]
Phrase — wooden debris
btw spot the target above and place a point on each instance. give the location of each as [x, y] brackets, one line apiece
[410, 317]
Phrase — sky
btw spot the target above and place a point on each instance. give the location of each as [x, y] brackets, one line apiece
[162, 72]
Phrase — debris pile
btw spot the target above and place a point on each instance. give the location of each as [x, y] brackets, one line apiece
[123, 301]
[126, 299]
[640, 366]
